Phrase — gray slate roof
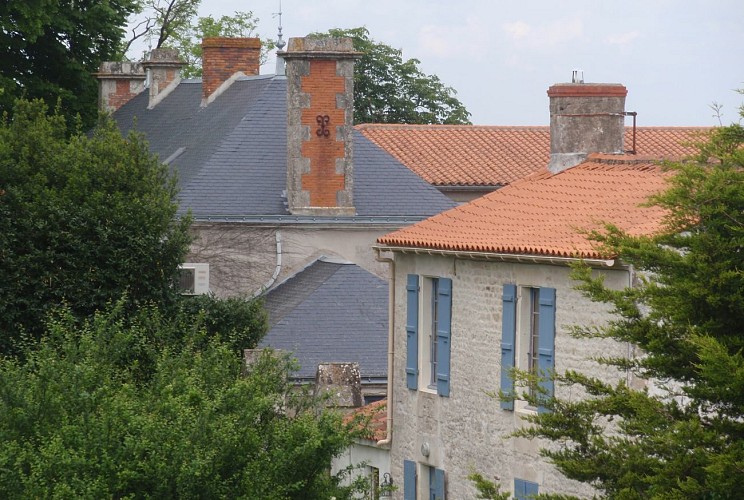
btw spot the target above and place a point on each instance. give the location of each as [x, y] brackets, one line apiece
[234, 157]
[331, 312]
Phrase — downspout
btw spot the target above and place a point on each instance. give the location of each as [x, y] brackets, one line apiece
[391, 348]
[631, 284]
[278, 267]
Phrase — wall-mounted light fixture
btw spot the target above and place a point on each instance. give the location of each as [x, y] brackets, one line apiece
[386, 486]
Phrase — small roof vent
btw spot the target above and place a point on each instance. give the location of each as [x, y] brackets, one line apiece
[577, 76]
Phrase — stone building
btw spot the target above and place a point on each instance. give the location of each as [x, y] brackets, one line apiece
[486, 286]
[269, 166]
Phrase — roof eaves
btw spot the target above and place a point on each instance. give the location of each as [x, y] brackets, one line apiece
[503, 257]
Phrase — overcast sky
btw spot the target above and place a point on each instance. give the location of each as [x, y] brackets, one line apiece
[675, 57]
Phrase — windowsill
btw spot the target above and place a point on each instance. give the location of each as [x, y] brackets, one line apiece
[522, 407]
[428, 389]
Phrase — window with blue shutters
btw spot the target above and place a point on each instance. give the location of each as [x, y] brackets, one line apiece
[428, 333]
[525, 490]
[412, 322]
[436, 484]
[528, 340]
[409, 480]
[508, 338]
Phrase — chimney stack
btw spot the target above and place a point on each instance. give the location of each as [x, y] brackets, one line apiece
[164, 68]
[118, 82]
[585, 118]
[224, 60]
[320, 107]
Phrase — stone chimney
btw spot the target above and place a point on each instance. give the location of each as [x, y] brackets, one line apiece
[118, 82]
[585, 118]
[224, 60]
[164, 68]
[342, 382]
[320, 107]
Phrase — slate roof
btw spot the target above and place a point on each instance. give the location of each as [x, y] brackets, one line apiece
[473, 155]
[233, 157]
[545, 214]
[331, 312]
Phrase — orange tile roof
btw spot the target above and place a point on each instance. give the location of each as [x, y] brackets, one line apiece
[371, 419]
[473, 155]
[545, 214]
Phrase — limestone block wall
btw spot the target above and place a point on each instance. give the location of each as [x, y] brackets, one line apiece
[242, 257]
[468, 431]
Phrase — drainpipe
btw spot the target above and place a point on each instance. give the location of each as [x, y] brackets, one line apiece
[391, 348]
[277, 268]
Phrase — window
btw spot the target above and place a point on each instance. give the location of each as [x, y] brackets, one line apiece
[193, 279]
[431, 481]
[428, 327]
[528, 339]
[409, 480]
[524, 490]
[374, 483]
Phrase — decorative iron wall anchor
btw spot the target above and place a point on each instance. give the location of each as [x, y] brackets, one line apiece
[323, 121]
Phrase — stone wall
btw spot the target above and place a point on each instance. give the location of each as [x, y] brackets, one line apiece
[242, 257]
[468, 431]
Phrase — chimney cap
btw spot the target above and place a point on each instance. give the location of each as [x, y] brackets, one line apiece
[587, 90]
[316, 47]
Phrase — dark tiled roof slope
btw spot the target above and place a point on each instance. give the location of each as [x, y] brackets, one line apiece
[234, 157]
[474, 155]
[331, 312]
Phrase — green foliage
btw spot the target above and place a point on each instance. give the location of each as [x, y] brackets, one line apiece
[83, 220]
[188, 40]
[52, 48]
[487, 489]
[685, 438]
[388, 89]
[83, 417]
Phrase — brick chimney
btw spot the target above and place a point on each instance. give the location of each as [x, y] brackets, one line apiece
[118, 82]
[585, 118]
[164, 67]
[320, 107]
[225, 59]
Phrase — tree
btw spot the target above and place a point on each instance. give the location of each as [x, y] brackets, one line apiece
[388, 89]
[174, 24]
[188, 40]
[52, 49]
[684, 437]
[106, 410]
[83, 220]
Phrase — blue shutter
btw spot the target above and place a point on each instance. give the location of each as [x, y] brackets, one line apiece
[438, 484]
[412, 304]
[508, 335]
[546, 343]
[409, 480]
[524, 490]
[444, 328]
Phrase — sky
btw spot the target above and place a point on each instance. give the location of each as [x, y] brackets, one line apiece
[676, 58]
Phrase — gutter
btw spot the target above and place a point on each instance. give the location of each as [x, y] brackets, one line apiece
[391, 347]
[502, 257]
[391, 220]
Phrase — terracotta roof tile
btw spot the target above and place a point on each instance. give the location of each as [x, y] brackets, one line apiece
[371, 419]
[472, 155]
[546, 214]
